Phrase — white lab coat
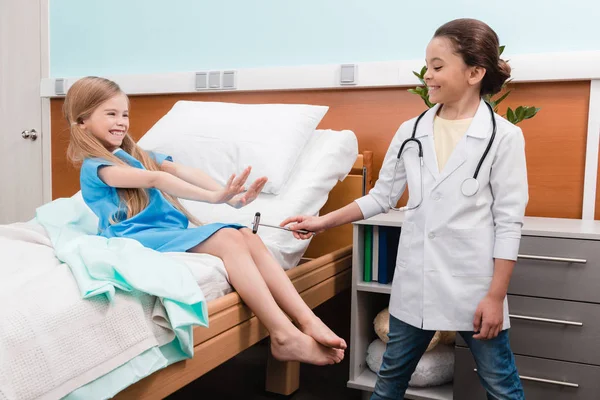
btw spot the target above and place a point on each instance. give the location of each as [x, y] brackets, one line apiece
[445, 264]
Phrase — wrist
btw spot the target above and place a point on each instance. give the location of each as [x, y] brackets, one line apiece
[325, 221]
[496, 295]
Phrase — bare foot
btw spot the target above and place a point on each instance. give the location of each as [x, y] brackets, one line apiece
[303, 348]
[316, 329]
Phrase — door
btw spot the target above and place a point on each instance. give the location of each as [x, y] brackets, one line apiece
[21, 179]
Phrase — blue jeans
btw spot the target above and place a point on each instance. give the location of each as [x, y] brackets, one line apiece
[494, 358]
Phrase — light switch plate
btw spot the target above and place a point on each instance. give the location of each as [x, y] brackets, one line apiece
[214, 79]
[229, 80]
[59, 87]
[201, 81]
[348, 74]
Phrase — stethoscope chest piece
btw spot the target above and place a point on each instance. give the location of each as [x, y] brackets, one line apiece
[469, 187]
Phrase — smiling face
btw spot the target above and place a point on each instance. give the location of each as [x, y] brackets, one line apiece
[109, 122]
[448, 78]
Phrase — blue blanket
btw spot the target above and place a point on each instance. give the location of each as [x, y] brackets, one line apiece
[102, 266]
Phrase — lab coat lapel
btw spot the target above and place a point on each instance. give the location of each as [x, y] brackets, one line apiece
[464, 148]
[425, 135]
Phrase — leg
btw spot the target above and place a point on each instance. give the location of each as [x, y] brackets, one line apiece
[402, 354]
[287, 342]
[496, 366]
[286, 295]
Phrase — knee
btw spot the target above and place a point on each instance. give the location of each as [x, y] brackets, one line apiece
[232, 240]
[248, 235]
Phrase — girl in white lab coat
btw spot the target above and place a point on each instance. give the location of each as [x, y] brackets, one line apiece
[457, 249]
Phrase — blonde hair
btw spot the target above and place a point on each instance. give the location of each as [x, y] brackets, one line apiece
[82, 99]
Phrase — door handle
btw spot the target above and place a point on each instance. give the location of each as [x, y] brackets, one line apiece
[29, 134]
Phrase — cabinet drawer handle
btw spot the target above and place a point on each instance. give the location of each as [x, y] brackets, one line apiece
[550, 321]
[556, 259]
[550, 381]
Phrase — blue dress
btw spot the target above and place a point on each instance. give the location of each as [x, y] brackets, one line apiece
[160, 226]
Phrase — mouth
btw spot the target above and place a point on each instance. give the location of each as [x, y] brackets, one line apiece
[431, 89]
[117, 133]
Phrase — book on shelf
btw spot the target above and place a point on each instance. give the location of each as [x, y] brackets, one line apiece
[380, 251]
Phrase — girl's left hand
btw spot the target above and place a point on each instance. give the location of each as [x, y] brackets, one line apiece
[489, 318]
[243, 199]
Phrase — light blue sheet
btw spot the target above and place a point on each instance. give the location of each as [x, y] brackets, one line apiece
[101, 266]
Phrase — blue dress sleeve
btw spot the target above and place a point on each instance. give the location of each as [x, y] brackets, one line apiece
[159, 157]
[89, 172]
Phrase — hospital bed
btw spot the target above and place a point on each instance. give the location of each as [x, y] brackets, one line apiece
[321, 273]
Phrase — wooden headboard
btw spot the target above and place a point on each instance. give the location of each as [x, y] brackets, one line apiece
[555, 138]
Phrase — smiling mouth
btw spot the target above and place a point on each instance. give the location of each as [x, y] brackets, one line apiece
[117, 133]
[432, 88]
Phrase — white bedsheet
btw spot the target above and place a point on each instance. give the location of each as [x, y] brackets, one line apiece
[44, 322]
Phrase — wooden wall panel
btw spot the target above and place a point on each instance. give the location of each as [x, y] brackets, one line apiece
[555, 138]
[555, 142]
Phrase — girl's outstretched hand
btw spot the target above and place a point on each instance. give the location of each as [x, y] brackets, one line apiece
[234, 186]
[313, 224]
[243, 199]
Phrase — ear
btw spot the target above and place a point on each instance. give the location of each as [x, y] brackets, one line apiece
[475, 75]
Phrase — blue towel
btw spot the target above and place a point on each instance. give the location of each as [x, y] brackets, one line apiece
[101, 266]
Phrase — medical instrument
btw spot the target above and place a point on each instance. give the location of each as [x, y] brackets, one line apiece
[256, 223]
[469, 187]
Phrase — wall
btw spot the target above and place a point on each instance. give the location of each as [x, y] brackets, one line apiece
[115, 37]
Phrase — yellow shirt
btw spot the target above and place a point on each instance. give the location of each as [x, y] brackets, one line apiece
[446, 134]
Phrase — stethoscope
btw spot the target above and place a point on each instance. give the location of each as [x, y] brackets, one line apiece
[469, 187]
[256, 223]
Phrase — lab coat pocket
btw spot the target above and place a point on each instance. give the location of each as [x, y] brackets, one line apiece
[406, 233]
[471, 251]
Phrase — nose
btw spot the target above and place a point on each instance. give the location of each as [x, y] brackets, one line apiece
[427, 75]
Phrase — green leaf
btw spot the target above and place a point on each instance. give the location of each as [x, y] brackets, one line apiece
[510, 116]
[417, 75]
[423, 70]
[530, 112]
[500, 50]
[499, 100]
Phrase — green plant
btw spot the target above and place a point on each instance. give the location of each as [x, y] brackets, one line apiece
[514, 116]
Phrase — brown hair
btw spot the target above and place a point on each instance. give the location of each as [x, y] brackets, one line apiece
[82, 99]
[478, 45]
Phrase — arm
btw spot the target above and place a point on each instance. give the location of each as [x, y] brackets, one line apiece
[191, 175]
[129, 177]
[202, 180]
[365, 207]
[508, 179]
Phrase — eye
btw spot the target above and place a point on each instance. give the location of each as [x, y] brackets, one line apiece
[111, 113]
[125, 115]
[437, 68]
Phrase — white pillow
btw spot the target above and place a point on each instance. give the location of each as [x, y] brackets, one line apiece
[223, 138]
[327, 158]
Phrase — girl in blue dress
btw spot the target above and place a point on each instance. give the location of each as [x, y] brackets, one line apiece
[134, 194]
